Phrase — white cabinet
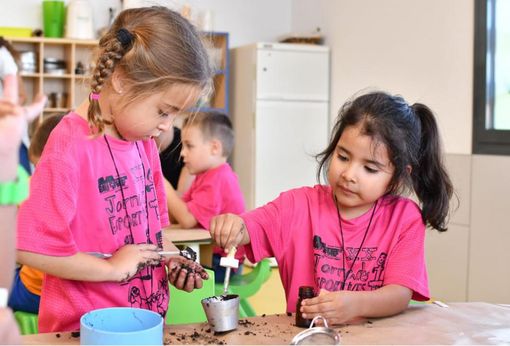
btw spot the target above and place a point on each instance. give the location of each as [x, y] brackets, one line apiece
[280, 95]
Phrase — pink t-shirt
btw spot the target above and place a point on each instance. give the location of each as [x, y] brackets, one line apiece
[212, 193]
[301, 229]
[76, 204]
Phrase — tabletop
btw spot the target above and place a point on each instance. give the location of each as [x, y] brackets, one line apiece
[459, 323]
[181, 235]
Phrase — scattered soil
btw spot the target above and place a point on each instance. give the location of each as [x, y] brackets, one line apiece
[206, 336]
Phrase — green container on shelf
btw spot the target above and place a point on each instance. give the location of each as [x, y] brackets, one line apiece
[53, 18]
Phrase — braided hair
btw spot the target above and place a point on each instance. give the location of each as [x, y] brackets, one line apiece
[154, 48]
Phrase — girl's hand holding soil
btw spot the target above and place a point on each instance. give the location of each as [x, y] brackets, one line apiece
[131, 258]
[185, 274]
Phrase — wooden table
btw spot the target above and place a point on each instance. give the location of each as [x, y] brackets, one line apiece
[196, 238]
[460, 323]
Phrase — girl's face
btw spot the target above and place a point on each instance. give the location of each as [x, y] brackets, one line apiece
[197, 152]
[359, 172]
[152, 115]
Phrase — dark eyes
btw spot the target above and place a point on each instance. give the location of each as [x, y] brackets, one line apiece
[369, 169]
[342, 157]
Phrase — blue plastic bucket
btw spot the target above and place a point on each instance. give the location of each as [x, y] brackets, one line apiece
[121, 326]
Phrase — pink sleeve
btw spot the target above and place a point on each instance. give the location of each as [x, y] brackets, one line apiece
[204, 203]
[406, 262]
[50, 209]
[159, 185]
[265, 226]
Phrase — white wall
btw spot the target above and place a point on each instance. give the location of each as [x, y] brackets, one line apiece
[247, 21]
[421, 49]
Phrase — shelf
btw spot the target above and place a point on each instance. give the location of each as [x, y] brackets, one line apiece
[69, 86]
[47, 110]
[30, 75]
[50, 75]
[56, 41]
[218, 49]
[74, 86]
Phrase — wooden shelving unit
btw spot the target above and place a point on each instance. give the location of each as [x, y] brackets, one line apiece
[70, 86]
[75, 86]
[219, 54]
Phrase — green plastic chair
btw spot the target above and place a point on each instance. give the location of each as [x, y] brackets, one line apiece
[247, 285]
[27, 322]
[186, 307]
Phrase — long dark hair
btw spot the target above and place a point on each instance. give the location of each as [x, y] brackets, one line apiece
[411, 137]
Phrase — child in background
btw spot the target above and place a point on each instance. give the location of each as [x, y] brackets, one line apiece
[8, 72]
[26, 288]
[207, 142]
[12, 89]
[98, 186]
[356, 239]
[13, 190]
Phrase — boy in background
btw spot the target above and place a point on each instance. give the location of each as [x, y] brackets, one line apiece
[207, 142]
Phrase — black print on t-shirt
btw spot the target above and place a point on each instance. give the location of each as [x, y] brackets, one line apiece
[136, 204]
[154, 300]
[367, 274]
[109, 183]
[330, 251]
[126, 214]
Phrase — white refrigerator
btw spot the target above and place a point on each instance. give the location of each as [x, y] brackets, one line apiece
[280, 112]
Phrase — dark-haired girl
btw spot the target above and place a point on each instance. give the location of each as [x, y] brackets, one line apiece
[357, 240]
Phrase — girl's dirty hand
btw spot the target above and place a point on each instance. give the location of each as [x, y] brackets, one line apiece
[131, 258]
[229, 230]
[185, 274]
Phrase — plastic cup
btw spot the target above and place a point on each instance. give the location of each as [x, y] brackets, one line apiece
[222, 312]
[121, 326]
[53, 18]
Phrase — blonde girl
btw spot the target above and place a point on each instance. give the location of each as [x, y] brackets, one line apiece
[98, 187]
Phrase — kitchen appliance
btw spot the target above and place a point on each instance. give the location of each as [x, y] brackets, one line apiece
[79, 22]
[280, 112]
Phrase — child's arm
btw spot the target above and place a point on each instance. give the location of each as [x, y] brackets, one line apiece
[185, 180]
[123, 265]
[343, 306]
[177, 209]
[229, 230]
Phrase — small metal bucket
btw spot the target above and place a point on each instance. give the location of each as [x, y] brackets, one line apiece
[317, 335]
[222, 312]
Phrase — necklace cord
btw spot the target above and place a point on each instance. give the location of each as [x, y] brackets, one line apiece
[344, 260]
[124, 202]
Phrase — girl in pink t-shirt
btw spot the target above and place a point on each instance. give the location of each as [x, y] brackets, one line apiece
[98, 187]
[355, 240]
